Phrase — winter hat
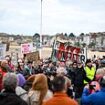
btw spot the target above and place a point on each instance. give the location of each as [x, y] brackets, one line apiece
[21, 80]
[88, 61]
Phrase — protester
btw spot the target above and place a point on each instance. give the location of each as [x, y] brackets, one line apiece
[49, 68]
[94, 86]
[20, 67]
[21, 80]
[60, 97]
[97, 98]
[71, 72]
[3, 71]
[28, 69]
[37, 80]
[90, 71]
[39, 89]
[5, 66]
[61, 71]
[68, 66]
[101, 71]
[38, 68]
[97, 64]
[79, 76]
[8, 58]
[8, 96]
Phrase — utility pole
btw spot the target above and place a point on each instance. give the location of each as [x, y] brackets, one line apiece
[41, 23]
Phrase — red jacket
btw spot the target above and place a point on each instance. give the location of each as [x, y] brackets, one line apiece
[2, 73]
[11, 66]
[60, 99]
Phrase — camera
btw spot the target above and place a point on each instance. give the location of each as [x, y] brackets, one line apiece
[91, 87]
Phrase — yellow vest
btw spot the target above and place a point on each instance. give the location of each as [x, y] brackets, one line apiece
[89, 73]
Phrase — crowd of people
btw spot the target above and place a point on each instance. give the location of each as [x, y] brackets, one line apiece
[52, 83]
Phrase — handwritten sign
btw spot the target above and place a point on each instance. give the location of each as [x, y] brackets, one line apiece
[2, 51]
[34, 56]
[26, 48]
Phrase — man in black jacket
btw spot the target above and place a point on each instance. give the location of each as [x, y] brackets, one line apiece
[79, 77]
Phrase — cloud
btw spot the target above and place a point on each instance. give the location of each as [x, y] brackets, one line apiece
[23, 16]
[72, 17]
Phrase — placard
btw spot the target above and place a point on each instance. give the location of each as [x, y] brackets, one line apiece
[34, 56]
[2, 51]
[26, 48]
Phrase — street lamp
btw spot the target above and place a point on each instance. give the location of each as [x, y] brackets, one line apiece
[41, 27]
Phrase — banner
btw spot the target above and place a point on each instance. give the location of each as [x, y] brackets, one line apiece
[2, 51]
[26, 48]
[63, 52]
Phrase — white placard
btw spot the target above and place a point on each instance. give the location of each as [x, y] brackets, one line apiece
[2, 51]
[83, 56]
[26, 48]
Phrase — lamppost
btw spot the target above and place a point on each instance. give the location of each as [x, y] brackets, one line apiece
[41, 27]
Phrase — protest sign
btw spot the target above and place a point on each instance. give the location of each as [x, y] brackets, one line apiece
[34, 56]
[64, 52]
[2, 51]
[26, 48]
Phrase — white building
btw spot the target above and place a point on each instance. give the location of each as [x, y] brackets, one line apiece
[85, 39]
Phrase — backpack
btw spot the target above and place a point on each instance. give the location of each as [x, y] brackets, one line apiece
[22, 93]
[34, 97]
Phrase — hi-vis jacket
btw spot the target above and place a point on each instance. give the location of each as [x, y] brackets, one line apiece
[90, 73]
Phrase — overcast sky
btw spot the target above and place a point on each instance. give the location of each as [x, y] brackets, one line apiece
[23, 16]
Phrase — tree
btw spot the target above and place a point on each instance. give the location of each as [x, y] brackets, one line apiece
[102, 40]
[92, 45]
[93, 36]
[77, 44]
[36, 35]
[36, 40]
[65, 34]
[19, 41]
[84, 44]
[82, 34]
[71, 35]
